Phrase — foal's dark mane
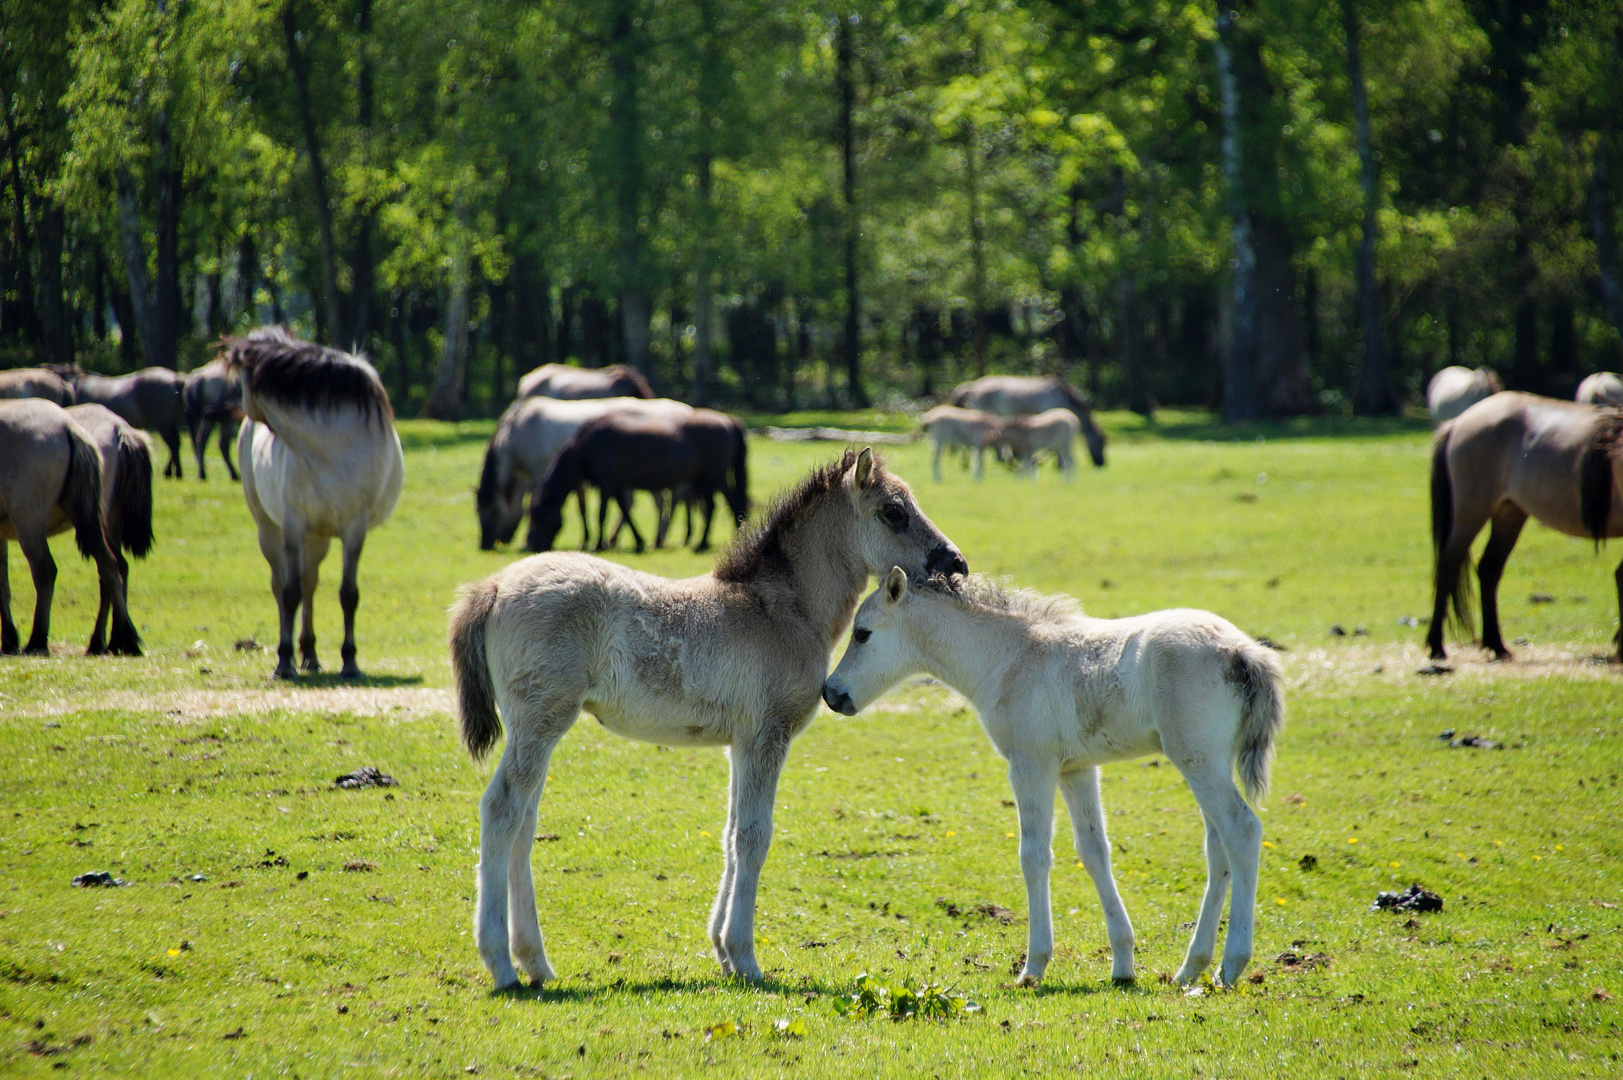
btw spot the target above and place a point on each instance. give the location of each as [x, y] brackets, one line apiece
[279, 366]
[759, 550]
[1595, 474]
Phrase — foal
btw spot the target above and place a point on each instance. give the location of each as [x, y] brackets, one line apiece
[1058, 693]
[734, 658]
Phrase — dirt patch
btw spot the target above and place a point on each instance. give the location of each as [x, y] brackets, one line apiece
[195, 706]
[1340, 667]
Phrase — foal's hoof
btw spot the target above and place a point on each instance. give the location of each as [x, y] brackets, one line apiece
[1028, 980]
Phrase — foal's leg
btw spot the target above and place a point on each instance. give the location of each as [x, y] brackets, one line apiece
[507, 829]
[757, 767]
[1033, 781]
[1204, 942]
[1237, 833]
[980, 454]
[1508, 520]
[315, 549]
[8, 629]
[43, 569]
[349, 598]
[935, 462]
[1081, 791]
[724, 890]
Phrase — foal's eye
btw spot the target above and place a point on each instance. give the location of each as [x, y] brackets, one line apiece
[894, 516]
[859, 636]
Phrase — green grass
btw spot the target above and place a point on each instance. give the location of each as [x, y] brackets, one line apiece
[191, 761]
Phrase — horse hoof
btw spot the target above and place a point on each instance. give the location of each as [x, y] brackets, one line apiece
[351, 672]
[37, 650]
[1028, 980]
[285, 671]
[311, 666]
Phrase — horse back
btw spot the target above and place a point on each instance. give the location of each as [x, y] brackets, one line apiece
[1527, 450]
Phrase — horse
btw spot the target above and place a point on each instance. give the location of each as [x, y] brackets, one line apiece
[1503, 460]
[212, 397]
[149, 398]
[51, 479]
[527, 437]
[126, 495]
[1054, 430]
[1027, 395]
[971, 429]
[1455, 389]
[1601, 388]
[36, 383]
[1059, 693]
[732, 658]
[619, 453]
[320, 461]
[573, 383]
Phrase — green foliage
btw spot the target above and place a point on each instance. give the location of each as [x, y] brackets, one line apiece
[905, 1000]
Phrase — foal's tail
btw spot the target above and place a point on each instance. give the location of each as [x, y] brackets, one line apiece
[132, 492]
[1458, 587]
[476, 694]
[1257, 678]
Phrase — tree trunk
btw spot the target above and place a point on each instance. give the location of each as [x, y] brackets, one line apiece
[247, 278]
[445, 400]
[845, 79]
[625, 127]
[1375, 396]
[167, 313]
[1240, 369]
[98, 313]
[135, 266]
[361, 262]
[977, 244]
[298, 65]
[28, 314]
[1602, 217]
[56, 333]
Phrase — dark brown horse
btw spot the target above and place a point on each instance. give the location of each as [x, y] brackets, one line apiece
[620, 455]
[573, 383]
[1503, 460]
[149, 398]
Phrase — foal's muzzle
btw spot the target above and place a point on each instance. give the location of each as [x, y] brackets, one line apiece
[946, 559]
[838, 700]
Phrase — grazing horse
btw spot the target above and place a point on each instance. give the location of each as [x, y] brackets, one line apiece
[213, 396]
[1455, 389]
[36, 383]
[126, 495]
[1027, 395]
[320, 461]
[1024, 437]
[971, 429]
[1059, 693]
[573, 383]
[733, 658]
[149, 398]
[1601, 388]
[50, 479]
[1503, 460]
[620, 454]
[527, 437]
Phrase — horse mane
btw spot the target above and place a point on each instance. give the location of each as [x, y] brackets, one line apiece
[1595, 469]
[279, 366]
[760, 549]
[988, 595]
[486, 492]
[623, 373]
[1073, 395]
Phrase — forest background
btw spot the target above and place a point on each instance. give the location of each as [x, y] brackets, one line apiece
[1277, 207]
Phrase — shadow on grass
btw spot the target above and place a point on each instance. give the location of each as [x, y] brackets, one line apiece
[327, 680]
[1180, 426]
[696, 985]
[440, 434]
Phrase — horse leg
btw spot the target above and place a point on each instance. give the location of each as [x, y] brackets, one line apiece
[1204, 942]
[315, 549]
[623, 498]
[1617, 576]
[757, 766]
[724, 890]
[286, 558]
[1033, 783]
[1237, 833]
[171, 439]
[8, 629]
[604, 541]
[935, 462]
[1081, 792]
[225, 452]
[349, 598]
[1451, 559]
[505, 922]
[980, 453]
[113, 572]
[709, 505]
[200, 444]
[664, 511]
[43, 569]
[585, 522]
[1507, 520]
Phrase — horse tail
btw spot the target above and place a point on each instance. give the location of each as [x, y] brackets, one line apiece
[1457, 590]
[81, 494]
[485, 494]
[476, 694]
[1595, 480]
[1258, 679]
[132, 492]
[739, 498]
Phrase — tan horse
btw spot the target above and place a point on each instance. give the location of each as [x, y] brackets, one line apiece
[50, 480]
[1028, 395]
[126, 495]
[734, 658]
[320, 461]
[1455, 389]
[36, 383]
[1503, 460]
[969, 429]
[1051, 432]
[573, 383]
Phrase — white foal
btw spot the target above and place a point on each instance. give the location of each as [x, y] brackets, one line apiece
[948, 425]
[1058, 693]
[1053, 430]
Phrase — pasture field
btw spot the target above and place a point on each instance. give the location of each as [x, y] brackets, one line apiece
[272, 925]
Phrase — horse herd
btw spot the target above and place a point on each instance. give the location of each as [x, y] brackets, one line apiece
[740, 657]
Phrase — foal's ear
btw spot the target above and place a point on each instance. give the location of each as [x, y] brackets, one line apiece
[895, 584]
[865, 467]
